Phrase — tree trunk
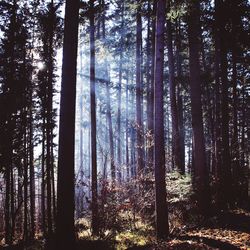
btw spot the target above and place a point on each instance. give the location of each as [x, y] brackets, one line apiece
[44, 228]
[162, 227]
[200, 169]
[65, 193]
[174, 109]
[150, 84]
[111, 140]
[139, 134]
[236, 169]
[217, 132]
[95, 223]
[32, 175]
[25, 187]
[119, 150]
[127, 133]
[8, 239]
[180, 97]
[226, 181]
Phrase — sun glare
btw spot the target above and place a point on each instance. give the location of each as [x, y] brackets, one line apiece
[40, 65]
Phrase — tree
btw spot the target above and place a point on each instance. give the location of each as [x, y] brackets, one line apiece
[174, 109]
[119, 150]
[162, 227]
[93, 120]
[226, 161]
[49, 24]
[150, 85]
[200, 168]
[65, 235]
[139, 92]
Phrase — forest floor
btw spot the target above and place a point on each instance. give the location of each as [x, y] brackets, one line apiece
[188, 231]
[229, 231]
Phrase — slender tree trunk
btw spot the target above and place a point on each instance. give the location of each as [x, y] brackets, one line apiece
[12, 202]
[127, 133]
[109, 117]
[32, 175]
[200, 168]
[218, 160]
[139, 134]
[150, 83]
[226, 178]
[119, 150]
[237, 173]
[25, 195]
[181, 129]
[48, 180]
[95, 222]
[81, 155]
[53, 184]
[174, 109]
[49, 123]
[133, 135]
[148, 57]
[65, 193]
[111, 140]
[8, 239]
[44, 228]
[162, 227]
[19, 218]
[179, 97]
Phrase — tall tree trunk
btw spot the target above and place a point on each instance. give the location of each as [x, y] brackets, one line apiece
[49, 122]
[32, 174]
[8, 239]
[81, 156]
[65, 193]
[119, 150]
[162, 227]
[25, 185]
[150, 83]
[95, 222]
[236, 169]
[19, 219]
[179, 97]
[48, 180]
[226, 180]
[43, 180]
[111, 140]
[174, 109]
[139, 134]
[217, 132]
[109, 117]
[127, 132]
[200, 169]
[53, 184]
[133, 138]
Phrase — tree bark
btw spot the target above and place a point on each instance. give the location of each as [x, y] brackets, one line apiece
[119, 150]
[111, 140]
[200, 168]
[162, 227]
[226, 178]
[150, 84]
[173, 104]
[180, 97]
[95, 223]
[32, 175]
[139, 132]
[65, 193]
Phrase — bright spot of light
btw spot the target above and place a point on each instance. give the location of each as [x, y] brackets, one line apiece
[40, 65]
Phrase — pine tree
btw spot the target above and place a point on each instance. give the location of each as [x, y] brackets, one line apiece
[65, 236]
